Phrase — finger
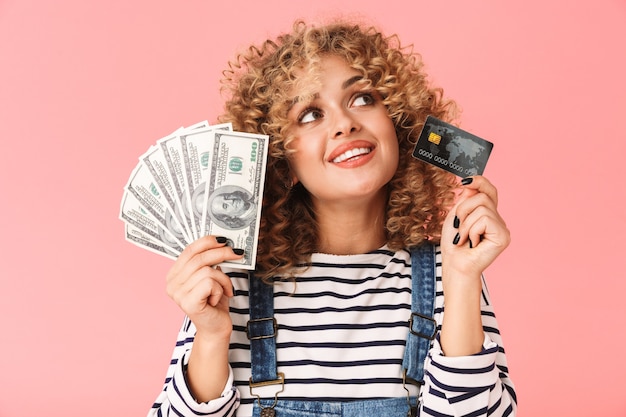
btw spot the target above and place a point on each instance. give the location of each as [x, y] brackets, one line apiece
[198, 246]
[196, 299]
[470, 204]
[206, 286]
[183, 283]
[480, 184]
[216, 256]
[216, 275]
[475, 226]
[484, 225]
[207, 291]
[223, 280]
[202, 244]
[213, 254]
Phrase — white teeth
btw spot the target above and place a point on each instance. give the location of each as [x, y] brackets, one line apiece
[351, 153]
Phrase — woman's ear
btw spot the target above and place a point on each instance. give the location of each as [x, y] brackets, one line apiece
[291, 181]
[293, 178]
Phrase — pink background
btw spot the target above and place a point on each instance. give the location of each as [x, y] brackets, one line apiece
[86, 87]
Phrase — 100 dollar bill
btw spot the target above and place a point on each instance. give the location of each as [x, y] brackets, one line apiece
[198, 158]
[230, 201]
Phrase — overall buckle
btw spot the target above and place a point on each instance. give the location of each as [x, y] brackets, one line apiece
[268, 411]
[406, 379]
[429, 321]
[260, 329]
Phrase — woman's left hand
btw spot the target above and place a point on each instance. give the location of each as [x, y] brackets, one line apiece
[474, 233]
[472, 237]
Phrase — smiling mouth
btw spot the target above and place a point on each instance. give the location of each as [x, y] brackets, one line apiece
[352, 154]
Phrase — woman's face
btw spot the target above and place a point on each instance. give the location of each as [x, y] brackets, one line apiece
[229, 205]
[344, 140]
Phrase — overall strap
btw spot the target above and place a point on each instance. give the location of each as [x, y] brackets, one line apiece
[261, 330]
[422, 326]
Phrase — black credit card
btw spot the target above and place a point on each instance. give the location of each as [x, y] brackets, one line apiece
[455, 150]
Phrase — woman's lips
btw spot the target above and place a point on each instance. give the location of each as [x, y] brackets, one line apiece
[349, 150]
[356, 152]
[352, 154]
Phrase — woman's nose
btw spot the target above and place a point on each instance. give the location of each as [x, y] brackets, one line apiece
[345, 124]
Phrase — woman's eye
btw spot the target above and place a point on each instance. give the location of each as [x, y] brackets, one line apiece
[309, 115]
[363, 99]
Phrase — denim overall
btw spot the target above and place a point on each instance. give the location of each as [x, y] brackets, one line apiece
[262, 329]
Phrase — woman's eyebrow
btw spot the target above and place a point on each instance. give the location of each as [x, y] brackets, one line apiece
[347, 83]
[297, 100]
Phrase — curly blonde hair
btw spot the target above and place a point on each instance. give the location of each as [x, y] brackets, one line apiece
[258, 82]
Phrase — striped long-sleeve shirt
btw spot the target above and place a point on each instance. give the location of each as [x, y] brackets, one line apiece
[342, 329]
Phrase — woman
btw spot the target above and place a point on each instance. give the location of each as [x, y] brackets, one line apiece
[344, 209]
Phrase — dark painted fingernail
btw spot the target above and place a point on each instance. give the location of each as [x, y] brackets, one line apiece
[238, 251]
[471, 245]
[221, 239]
[456, 239]
[457, 222]
[466, 181]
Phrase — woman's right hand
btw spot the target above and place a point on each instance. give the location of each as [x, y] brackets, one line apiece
[200, 288]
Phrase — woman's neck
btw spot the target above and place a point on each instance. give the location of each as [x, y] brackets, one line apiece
[351, 227]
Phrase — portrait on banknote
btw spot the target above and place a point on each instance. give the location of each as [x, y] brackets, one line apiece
[232, 207]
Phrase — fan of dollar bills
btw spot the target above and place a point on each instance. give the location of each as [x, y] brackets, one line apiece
[199, 180]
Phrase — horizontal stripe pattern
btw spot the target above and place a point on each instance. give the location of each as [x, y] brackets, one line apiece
[342, 329]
